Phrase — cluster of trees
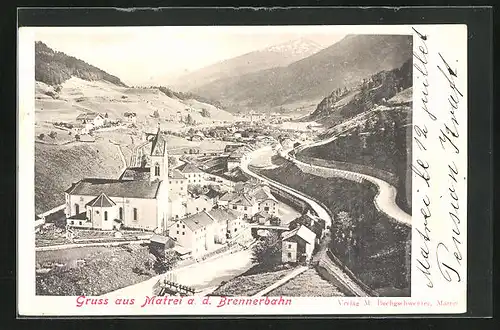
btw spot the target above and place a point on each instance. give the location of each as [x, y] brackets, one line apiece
[54, 68]
[267, 251]
[63, 124]
[188, 120]
[52, 135]
[187, 96]
[205, 113]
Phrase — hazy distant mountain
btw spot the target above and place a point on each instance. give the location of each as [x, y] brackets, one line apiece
[54, 68]
[345, 63]
[275, 56]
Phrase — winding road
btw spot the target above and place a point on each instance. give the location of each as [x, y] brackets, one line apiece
[320, 211]
[385, 201]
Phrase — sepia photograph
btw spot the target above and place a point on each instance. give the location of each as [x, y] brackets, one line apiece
[222, 161]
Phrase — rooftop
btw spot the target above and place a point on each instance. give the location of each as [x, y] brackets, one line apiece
[135, 173]
[115, 188]
[160, 239]
[88, 115]
[223, 215]
[101, 201]
[175, 174]
[197, 221]
[303, 232]
[189, 168]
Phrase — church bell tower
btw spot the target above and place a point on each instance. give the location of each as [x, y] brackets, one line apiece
[159, 157]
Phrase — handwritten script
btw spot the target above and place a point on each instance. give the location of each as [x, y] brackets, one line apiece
[438, 255]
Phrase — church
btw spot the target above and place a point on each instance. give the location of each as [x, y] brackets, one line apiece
[138, 199]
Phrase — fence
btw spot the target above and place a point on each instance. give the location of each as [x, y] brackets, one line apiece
[164, 287]
[363, 169]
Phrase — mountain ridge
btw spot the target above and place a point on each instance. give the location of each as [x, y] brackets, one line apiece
[54, 67]
[273, 56]
[345, 63]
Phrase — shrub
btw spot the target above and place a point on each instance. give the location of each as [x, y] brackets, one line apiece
[41, 136]
[53, 134]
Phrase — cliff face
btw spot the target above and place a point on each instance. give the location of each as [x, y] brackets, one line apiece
[54, 68]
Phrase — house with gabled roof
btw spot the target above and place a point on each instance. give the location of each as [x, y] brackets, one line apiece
[229, 223]
[195, 233]
[242, 203]
[192, 172]
[297, 245]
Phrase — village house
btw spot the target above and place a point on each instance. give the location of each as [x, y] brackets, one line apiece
[229, 223]
[130, 117]
[177, 207]
[195, 233]
[198, 204]
[261, 217]
[96, 119]
[262, 194]
[177, 183]
[269, 205]
[297, 245]
[138, 199]
[193, 174]
[159, 244]
[240, 202]
[235, 157]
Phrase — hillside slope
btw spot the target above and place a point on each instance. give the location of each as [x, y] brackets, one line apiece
[378, 89]
[343, 64]
[274, 56]
[53, 67]
[56, 167]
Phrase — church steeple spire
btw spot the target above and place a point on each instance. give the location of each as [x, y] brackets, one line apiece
[159, 157]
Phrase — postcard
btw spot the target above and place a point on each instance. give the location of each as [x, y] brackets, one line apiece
[242, 170]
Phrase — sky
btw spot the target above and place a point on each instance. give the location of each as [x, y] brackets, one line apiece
[138, 55]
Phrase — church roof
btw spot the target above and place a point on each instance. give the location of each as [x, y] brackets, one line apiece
[115, 188]
[101, 201]
[135, 173]
[159, 144]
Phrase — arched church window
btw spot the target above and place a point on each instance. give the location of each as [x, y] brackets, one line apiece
[157, 169]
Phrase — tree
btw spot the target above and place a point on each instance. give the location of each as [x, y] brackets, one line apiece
[156, 114]
[106, 115]
[189, 120]
[205, 113]
[53, 134]
[165, 262]
[172, 161]
[196, 189]
[267, 252]
[41, 136]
